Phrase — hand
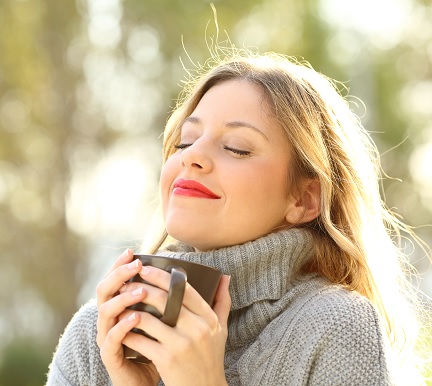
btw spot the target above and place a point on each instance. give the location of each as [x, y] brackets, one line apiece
[115, 322]
[192, 352]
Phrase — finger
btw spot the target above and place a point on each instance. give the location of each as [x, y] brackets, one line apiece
[111, 349]
[111, 284]
[108, 312]
[222, 303]
[124, 258]
[155, 297]
[111, 309]
[130, 286]
[192, 300]
[154, 328]
[156, 276]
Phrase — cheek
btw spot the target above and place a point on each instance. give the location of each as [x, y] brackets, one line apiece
[168, 174]
[265, 191]
[267, 180]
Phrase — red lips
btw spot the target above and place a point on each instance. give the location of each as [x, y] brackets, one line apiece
[191, 188]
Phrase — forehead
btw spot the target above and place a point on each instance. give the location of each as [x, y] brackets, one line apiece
[236, 100]
[251, 92]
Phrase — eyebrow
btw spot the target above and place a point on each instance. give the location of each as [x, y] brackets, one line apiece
[232, 124]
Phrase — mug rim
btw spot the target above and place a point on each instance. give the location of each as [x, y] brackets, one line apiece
[174, 259]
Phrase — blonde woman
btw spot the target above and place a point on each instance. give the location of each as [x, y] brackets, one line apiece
[269, 177]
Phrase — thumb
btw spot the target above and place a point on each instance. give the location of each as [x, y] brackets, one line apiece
[222, 303]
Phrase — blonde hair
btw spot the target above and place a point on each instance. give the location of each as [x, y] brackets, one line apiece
[354, 232]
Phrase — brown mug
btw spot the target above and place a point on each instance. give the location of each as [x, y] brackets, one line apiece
[204, 279]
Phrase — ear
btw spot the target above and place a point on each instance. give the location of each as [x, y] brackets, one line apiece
[306, 205]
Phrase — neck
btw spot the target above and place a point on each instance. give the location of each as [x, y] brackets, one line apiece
[261, 269]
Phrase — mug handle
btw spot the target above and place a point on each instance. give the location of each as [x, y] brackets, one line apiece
[175, 296]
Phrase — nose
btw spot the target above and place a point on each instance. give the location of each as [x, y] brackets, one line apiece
[197, 157]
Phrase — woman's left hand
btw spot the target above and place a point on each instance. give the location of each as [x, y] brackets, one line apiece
[192, 352]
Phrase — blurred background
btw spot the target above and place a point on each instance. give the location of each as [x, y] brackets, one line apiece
[85, 89]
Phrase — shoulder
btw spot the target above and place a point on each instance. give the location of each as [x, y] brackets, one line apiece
[333, 307]
[77, 360]
[85, 319]
[325, 336]
[82, 328]
[327, 312]
[338, 332]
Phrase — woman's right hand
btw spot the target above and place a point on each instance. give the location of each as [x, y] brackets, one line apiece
[112, 325]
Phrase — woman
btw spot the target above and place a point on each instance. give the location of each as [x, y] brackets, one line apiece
[270, 178]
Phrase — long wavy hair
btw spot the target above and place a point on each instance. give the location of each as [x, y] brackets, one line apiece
[355, 234]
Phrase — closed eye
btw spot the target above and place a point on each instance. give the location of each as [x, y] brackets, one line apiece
[182, 145]
[243, 153]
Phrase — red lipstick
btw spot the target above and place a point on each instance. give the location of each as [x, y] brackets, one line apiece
[191, 188]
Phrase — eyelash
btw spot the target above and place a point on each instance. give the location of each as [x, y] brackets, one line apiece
[241, 153]
[182, 146]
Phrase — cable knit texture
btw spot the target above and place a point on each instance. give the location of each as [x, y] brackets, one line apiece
[283, 329]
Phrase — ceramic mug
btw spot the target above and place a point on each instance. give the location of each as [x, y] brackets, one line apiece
[204, 279]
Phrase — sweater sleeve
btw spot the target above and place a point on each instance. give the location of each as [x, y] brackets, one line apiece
[76, 360]
[331, 338]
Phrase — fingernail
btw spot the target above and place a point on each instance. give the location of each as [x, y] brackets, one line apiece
[125, 254]
[132, 317]
[133, 265]
[144, 271]
[137, 292]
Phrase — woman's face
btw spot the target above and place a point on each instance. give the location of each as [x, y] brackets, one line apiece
[228, 181]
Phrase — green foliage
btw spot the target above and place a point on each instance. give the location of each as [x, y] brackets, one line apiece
[24, 364]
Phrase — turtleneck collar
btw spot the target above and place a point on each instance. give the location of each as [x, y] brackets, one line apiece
[262, 269]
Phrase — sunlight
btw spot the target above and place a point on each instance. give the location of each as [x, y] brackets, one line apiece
[104, 24]
[383, 21]
[117, 195]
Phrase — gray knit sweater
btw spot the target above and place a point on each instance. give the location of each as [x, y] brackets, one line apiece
[282, 330]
